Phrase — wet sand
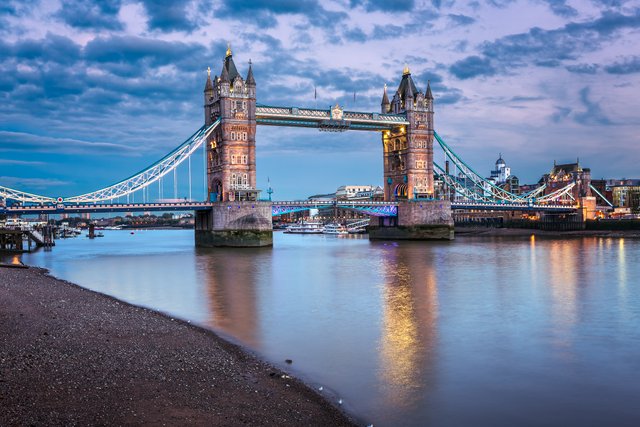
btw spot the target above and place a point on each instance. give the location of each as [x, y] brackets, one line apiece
[70, 356]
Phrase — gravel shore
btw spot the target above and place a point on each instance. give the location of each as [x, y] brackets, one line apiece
[69, 356]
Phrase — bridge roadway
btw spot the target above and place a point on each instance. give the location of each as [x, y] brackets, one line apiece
[278, 208]
[327, 120]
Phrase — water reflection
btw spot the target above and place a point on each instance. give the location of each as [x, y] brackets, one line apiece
[409, 325]
[230, 281]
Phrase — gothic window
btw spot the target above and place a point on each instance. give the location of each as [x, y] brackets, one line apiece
[396, 145]
[233, 136]
[244, 136]
[233, 179]
[244, 160]
[239, 106]
[244, 179]
[233, 159]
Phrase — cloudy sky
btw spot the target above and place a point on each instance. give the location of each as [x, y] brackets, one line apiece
[93, 91]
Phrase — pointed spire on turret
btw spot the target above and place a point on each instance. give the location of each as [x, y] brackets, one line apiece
[224, 74]
[250, 79]
[385, 98]
[209, 84]
[429, 95]
[228, 50]
[408, 90]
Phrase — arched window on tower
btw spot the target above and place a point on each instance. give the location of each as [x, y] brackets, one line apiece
[244, 179]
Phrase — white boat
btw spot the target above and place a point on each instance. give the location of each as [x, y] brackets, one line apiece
[305, 228]
[335, 229]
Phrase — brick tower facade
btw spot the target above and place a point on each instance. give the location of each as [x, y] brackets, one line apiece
[408, 151]
[231, 148]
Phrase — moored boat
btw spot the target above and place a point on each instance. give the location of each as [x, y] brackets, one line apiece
[335, 229]
[305, 228]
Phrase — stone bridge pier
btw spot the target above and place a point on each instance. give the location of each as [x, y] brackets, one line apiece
[235, 224]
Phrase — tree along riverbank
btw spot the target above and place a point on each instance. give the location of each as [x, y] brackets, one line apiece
[72, 356]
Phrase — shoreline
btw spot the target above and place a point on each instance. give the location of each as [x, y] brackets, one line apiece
[525, 232]
[70, 355]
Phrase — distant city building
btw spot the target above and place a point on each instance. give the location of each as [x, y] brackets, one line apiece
[500, 174]
[512, 184]
[626, 196]
[564, 174]
[359, 192]
[330, 197]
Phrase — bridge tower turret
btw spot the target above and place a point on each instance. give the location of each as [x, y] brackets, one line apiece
[231, 159]
[408, 150]
[237, 218]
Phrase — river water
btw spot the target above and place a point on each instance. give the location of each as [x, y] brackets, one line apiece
[479, 331]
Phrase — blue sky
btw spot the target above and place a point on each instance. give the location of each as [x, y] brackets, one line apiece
[92, 92]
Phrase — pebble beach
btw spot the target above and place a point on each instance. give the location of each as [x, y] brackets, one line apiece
[70, 356]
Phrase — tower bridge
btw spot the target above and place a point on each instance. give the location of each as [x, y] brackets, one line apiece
[419, 194]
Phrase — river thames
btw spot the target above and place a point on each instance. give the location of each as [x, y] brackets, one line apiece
[479, 331]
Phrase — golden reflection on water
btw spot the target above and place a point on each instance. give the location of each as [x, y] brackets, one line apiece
[230, 288]
[409, 324]
[622, 265]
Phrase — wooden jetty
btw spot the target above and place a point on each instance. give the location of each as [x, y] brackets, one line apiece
[19, 240]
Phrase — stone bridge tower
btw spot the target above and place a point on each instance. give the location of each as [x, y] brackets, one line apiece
[408, 151]
[231, 148]
[408, 170]
[236, 218]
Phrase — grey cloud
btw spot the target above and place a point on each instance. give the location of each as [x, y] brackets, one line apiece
[21, 162]
[91, 15]
[629, 65]
[264, 12]
[593, 113]
[169, 15]
[583, 68]
[561, 8]
[385, 5]
[39, 183]
[27, 141]
[560, 114]
[548, 48]
[472, 66]
[461, 19]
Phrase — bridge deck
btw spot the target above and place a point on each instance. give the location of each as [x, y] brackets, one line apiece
[279, 207]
